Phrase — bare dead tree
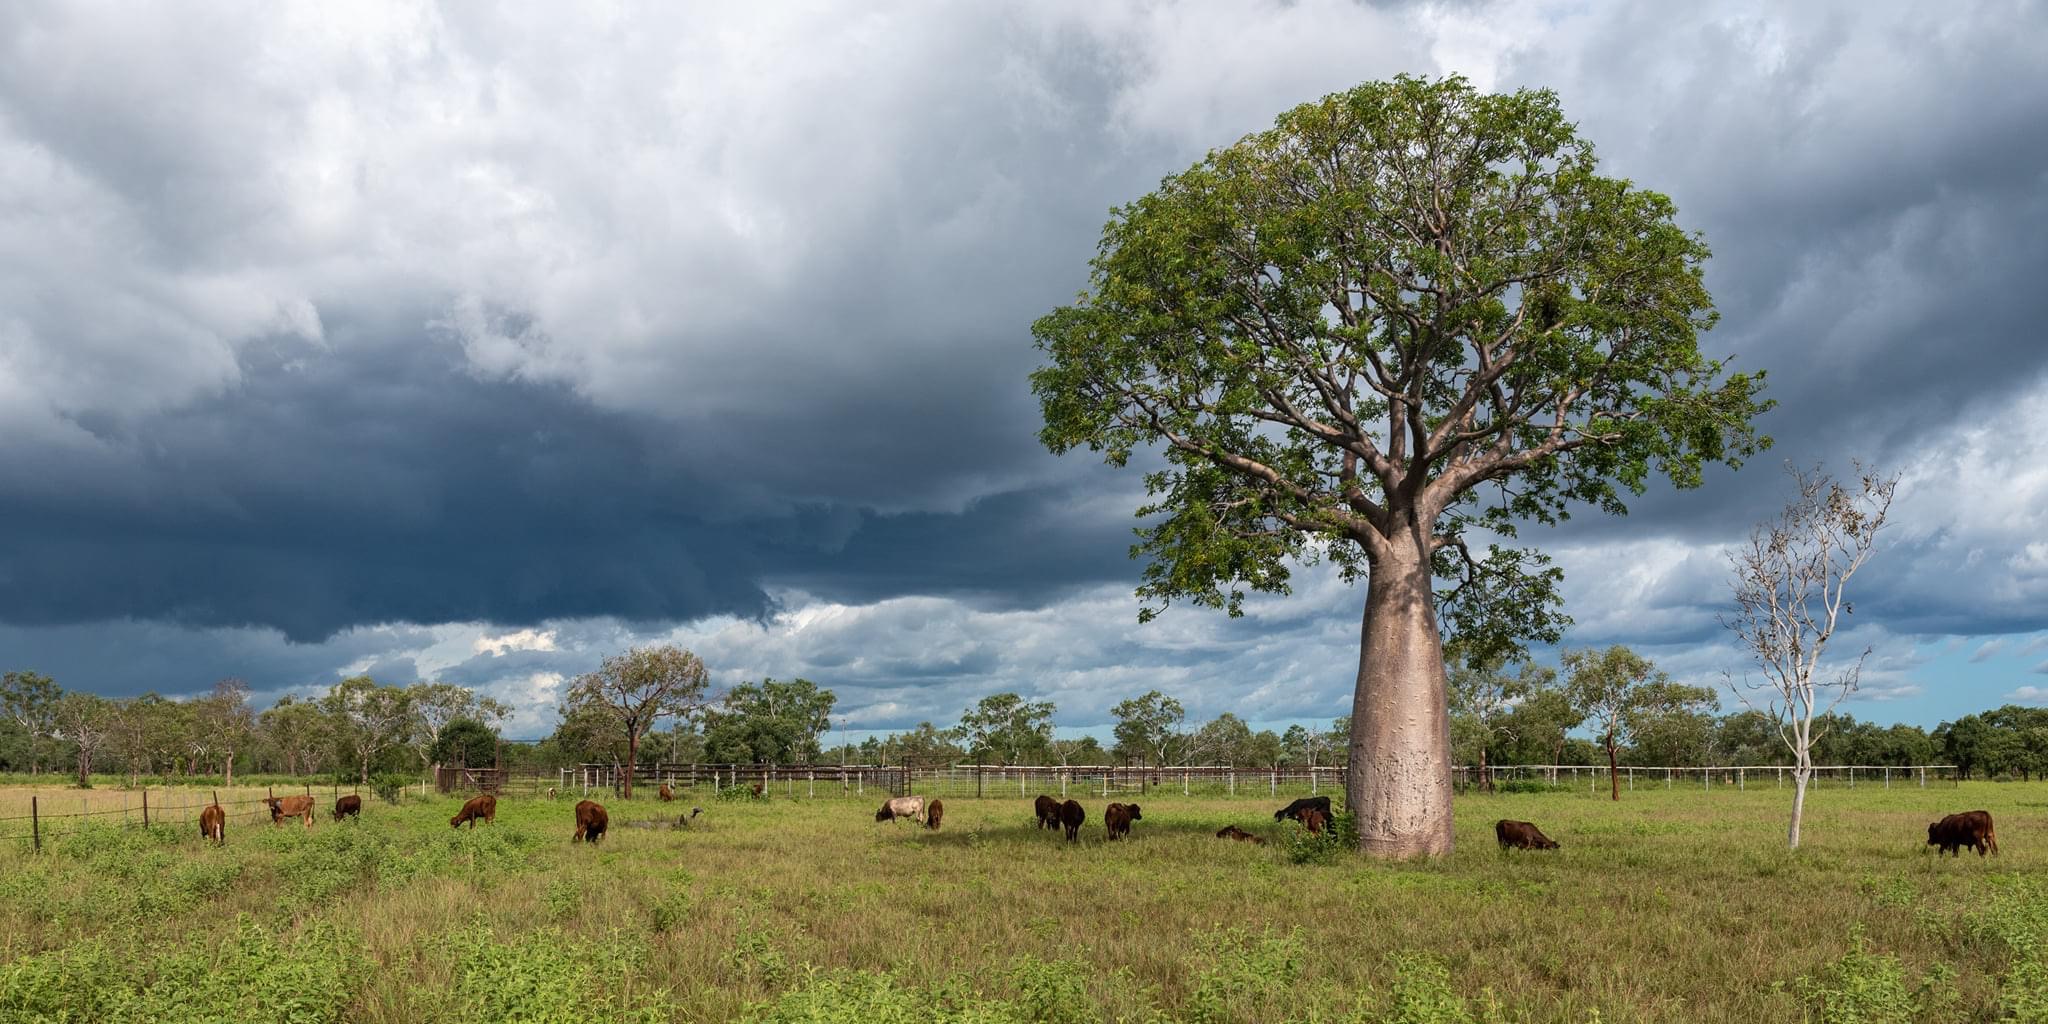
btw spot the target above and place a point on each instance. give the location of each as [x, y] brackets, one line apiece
[1790, 585]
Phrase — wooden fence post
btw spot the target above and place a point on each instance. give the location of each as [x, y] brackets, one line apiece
[145, 807]
[35, 822]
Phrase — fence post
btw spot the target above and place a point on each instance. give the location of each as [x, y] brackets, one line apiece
[1631, 779]
[35, 822]
[814, 782]
[1739, 786]
[1923, 776]
[1887, 776]
[1311, 778]
[1707, 779]
[1184, 780]
[1233, 782]
[1852, 776]
[1273, 785]
[145, 807]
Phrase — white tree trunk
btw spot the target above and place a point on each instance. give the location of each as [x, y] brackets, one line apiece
[1799, 777]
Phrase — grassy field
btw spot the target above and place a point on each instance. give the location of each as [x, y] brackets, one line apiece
[1669, 906]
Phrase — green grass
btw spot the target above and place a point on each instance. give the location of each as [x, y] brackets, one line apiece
[1669, 906]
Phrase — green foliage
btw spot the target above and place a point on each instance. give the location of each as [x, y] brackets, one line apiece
[1008, 729]
[1148, 727]
[254, 975]
[465, 742]
[1326, 847]
[853, 997]
[2023, 993]
[770, 723]
[562, 898]
[1238, 972]
[548, 977]
[1476, 294]
[1052, 991]
[1870, 988]
[671, 910]
[754, 958]
[1422, 992]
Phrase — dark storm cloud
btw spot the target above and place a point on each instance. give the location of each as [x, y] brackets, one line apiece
[380, 484]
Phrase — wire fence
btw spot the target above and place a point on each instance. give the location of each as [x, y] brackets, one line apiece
[48, 816]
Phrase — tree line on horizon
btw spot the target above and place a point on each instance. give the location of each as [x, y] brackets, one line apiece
[1501, 714]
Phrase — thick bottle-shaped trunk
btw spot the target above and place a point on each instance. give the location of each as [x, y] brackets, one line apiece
[1399, 787]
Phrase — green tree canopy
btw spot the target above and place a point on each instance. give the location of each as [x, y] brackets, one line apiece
[1008, 729]
[770, 723]
[465, 742]
[1383, 333]
[1148, 728]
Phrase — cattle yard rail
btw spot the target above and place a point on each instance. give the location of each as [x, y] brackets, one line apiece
[1013, 781]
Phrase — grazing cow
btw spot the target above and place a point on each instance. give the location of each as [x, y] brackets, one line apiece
[933, 813]
[483, 807]
[1521, 835]
[759, 792]
[1048, 811]
[282, 807]
[1970, 828]
[213, 824]
[666, 793]
[911, 807]
[1071, 817]
[591, 821]
[1293, 810]
[1117, 818]
[1233, 832]
[1313, 820]
[348, 806]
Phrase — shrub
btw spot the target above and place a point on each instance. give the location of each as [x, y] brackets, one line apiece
[849, 997]
[1422, 993]
[1238, 973]
[1860, 988]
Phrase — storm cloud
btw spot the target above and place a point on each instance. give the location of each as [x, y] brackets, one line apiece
[351, 339]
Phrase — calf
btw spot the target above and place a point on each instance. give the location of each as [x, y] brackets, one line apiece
[551, 792]
[666, 793]
[1970, 828]
[1293, 810]
[911, 807]
[213, 824]
[1233, 832]
[282, 807]
[1048, 811]
[1521, 835]
[1071, 817]
[933, 813]
[1117, 818]
[480, 808]
[350, 806]
[591, 821]
[1313, 820]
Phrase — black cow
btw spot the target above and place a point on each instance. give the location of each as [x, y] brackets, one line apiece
[348, 806]
[1293, 810]
[1048, 811]
[1071, 817]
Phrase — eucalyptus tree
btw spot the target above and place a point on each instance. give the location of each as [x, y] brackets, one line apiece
[634, 691]
[1383, 333]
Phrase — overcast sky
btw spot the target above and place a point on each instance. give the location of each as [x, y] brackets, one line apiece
[476, 343]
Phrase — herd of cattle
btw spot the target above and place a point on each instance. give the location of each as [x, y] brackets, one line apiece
[1951, 834]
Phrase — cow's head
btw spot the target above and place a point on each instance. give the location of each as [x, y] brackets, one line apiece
[884, 814]
[1135, 816]
[1932, 828]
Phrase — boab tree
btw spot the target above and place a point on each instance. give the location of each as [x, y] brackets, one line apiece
[638, 689]
[1790, 582]
[1382, 333]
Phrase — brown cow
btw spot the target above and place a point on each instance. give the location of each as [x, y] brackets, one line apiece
[282, 807]
[213, 824]
[1295, 809]
[1521, 835]
[932, 813]
[483, 806]
[1071, 817]
[1048, 811]
[1970, 828]
[1233, 832]
[1312, 820]
[348, 806]
[666, 793]
[591, 821]
[1117, 818]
